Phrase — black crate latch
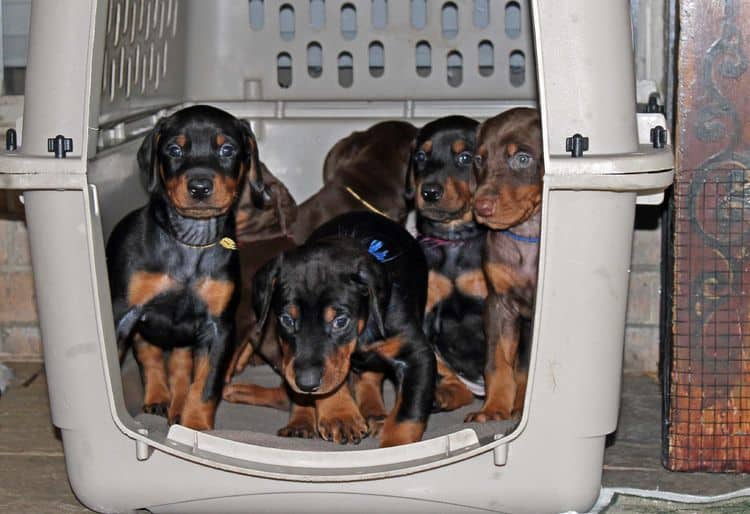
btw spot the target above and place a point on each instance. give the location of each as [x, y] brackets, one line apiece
[576, 145]
[60, 145]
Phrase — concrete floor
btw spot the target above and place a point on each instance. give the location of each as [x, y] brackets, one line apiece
[33, 478]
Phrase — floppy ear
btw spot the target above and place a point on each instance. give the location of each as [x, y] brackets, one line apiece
[409, 184]
[258, 191]
[148, 163]
[372, 286]
[264, 284]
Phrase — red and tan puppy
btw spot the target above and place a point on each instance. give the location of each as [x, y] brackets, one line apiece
[508, 200]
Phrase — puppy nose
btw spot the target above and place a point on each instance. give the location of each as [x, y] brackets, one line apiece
[308, 380]
[200, 188]
[484, 206]
[432, 192]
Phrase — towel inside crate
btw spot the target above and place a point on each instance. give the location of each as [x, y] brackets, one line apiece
[258, 425]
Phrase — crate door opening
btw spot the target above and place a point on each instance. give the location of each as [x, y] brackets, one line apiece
[463, 58]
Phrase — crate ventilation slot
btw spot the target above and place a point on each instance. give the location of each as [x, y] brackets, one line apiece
[380, 49]
[137, 49]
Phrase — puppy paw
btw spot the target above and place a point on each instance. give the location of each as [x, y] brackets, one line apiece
[451, 396]
[344, 428]
[298, 429]
[375, 425]
[157, 409]
[485, 415]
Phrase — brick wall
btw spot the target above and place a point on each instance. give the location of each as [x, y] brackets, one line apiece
[642, 328]
[19, 329]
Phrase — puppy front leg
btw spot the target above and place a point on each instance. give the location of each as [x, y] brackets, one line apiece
[416, 376]
[502, 326]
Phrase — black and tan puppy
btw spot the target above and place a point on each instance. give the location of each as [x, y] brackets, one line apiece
[350, 301]
[442, 182]
[173, 265]
[508, 199]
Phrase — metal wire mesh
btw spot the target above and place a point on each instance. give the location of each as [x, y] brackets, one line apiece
[709, 397]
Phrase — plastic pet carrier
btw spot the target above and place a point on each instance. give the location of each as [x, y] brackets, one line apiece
[306, 73]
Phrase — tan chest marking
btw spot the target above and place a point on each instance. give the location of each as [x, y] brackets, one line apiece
[502, 278]
[472, 283]
[439, 287]
[215, 293]
[145, 285]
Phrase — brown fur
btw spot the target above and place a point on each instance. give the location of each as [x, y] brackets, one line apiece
[180, 370]
[368, 394]
[216, 294]
[197, 413]
[151, 359]
[372, 163]
[145, 286]
[508, 197]
[439, 288]
[339, 419]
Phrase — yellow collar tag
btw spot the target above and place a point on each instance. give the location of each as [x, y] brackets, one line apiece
[228, 243]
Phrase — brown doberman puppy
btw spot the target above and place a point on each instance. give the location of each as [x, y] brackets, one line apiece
[365, 171]
[508, 200]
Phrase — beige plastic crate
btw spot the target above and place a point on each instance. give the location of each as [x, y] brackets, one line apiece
[102, 72]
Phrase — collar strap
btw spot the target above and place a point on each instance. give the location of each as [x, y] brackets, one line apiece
[365, 202]
[225, 242]
[516, 237]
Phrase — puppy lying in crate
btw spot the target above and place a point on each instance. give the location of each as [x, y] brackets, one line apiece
[173, 266]
[441, 181]
[508, 200]
[363, 171]
[347, 307]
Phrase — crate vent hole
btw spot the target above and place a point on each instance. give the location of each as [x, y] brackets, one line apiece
[348, 21]
[423, 55]
[376, 54]
[379, 14]
[257, 14]
[317, 14]
[517, 65]
[346, 69]
[450, 20]
[486, 58]
[284, 70]
[481, 13]
[314, 60]
[455, 68]
[418, 14]
[513, 20]
[286, 22]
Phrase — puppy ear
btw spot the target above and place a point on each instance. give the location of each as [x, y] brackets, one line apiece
[258, 191]
[148, 162]
[264, 284]
[409, 184]
[370, 280]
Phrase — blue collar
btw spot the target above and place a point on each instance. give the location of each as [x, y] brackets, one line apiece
[516, 237]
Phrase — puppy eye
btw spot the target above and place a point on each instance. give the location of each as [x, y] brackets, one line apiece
[464, 158]
[286, 320]
[340, 322]
[226, 150]
[520, 160]
[420, 156]
[174, 150]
